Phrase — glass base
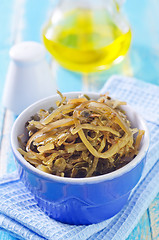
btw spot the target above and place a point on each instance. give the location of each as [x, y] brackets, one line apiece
[141, 63]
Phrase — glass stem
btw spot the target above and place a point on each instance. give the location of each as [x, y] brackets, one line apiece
[85, 82]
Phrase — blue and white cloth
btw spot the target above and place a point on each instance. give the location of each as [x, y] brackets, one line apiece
[20, 215]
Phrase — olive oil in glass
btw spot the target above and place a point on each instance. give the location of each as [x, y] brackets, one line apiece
[87, 39]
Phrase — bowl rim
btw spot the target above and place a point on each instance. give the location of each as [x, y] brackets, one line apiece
[109, 176]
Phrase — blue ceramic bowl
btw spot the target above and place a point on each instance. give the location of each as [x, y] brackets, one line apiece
[79, 200]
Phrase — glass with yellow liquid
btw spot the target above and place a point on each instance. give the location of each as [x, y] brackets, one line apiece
[87, 35]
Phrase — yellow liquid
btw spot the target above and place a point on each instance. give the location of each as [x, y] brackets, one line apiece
[86, 41]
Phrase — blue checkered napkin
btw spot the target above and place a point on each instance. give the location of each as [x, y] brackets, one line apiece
[21, 215]
[144, 97]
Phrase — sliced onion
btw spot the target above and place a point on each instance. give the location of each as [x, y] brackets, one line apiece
[95, 128]
[110, 152]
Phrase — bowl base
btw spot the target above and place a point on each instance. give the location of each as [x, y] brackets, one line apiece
[73, 211]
